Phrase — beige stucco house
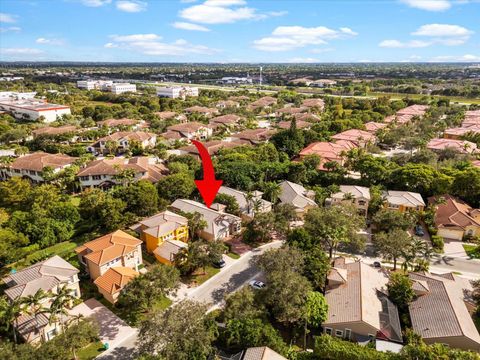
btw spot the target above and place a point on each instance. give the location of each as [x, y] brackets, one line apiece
[359, 196]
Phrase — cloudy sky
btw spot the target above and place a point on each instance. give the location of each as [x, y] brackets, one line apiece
[240, 30]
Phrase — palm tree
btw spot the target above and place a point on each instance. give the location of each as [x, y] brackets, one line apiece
[273, 191]
[74, 319]
[9, 313]
[248, 198]
[59, 304]
[33, 304]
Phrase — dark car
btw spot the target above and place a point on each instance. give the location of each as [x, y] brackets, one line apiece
[219, 264]
[419, 230]
[377, 264]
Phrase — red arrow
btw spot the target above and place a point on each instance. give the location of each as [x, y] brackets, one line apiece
[208, 187]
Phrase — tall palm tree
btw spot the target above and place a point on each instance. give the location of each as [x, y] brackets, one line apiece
[58, 307]
[34, 304]
[248, 198]
[9, 313]
[273, 191]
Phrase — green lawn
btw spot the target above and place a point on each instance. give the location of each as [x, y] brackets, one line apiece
[233, 255]
[472, 251]
[398, 96]
[199, 277]
[91, 351]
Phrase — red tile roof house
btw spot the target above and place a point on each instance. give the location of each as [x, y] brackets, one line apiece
[118, 122]
[291, 110]
[473, 121]
[374, 127]
[413, 110]
[102, 173]
[358, 137]
[253, 136]
[472, 114]
[191, 130]
[123, 138]
[165, 115]
[461, 146]
[229, 120]
[223, 104]
[30, 166]
[454, 218]
[300, 124]
[263, 102]
[314, 103]
[213, 147]
[52, 131]
[307, 117]
[440, 311]
[202, 110]
[457, 133]
[328, 151]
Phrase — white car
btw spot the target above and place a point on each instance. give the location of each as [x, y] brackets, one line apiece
[256, 284]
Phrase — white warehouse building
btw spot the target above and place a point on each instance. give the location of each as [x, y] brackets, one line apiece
[177, 92]
[120, 88]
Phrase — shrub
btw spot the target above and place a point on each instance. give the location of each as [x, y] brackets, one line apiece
[437, 242]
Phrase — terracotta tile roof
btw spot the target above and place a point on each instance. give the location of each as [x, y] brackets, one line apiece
[307, 117]
[254, 135]
[239, 98]
[462, 146]
[161, 223]
[172, 135]
[461, 131]
[328, 151]
[213, 146]
[292, 110]
[414, 110]
[314, 103]
[226, 119]
[188, 127]
[476, 163]
[201, 110]
[115, 279]
[300, 124]
[27, 323]
[373, 127]
[118, 122]
[472, 114]
[261, 353]
[108, 247]
[264, 101]
[453, 213]
[44, 275]
[127, 135]
[474, 121]
[37, 161]
[358, 137]
[164, 115]
[441, 312]
[362, 298]
[50, 130]
[227, 103]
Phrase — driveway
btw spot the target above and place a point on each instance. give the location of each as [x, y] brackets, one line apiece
[113, 330]
[454, 249]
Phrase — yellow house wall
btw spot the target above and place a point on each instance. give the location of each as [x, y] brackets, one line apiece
[152, 242]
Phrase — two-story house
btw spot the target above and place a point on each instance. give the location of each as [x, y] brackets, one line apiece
[191, 130]
[359, 196]
[48, 276]
[107, 260]
[403, 201]
[248, 203]
[122, 141]
[165, 235]
[297, 196]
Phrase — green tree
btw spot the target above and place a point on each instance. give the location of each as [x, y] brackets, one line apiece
[230, 202]
[99, 209]
[316, 312]
[176, 186]
[391, 245]
[400, 290]
[181, 332]
[387, 220]
[242, 304]
[141, 198]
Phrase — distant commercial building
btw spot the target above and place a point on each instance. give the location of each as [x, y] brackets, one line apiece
[120, 88]
[236, 80]
[177, 92]
[106, 85]
[11, 78]
[24, 106]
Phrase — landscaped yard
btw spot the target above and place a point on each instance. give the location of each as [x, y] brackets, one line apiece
[233, 255]
[199, 276]
[472, 251]
[91, 351]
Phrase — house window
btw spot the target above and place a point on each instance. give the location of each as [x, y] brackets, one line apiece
[51, 334]
[328, 331]
[339, 333]
[371, 337]
[96, 177]
[470, 232]
[348, 334]
[361, 202]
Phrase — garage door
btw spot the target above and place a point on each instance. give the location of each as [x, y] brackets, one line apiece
[450, 234]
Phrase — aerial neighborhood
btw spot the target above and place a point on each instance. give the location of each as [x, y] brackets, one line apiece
[343, 224]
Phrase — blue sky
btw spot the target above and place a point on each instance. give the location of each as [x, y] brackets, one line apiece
[240, 30]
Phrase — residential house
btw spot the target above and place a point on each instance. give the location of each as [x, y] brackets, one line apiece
[461, 146]
[123, 139]
[220, 225]
[123, 122]
[213, 147]
[314, 103]
[113, 281]
[167, 115]
[373, 127]
[260, 353]
[104, 173]
[476, 163]
[202, 110]
[328, 151]
[165, 235]
[405, 115]
[248, 203]
[358, 306]
[306, 117]
[31, 166]
[115, 249]
[359, 196]
[253, 136]
[454, 218]
[225, 104]
[300, 124]
[359, 138]
[439, 313]
[290, 110]
[53, 131]
[403, 201]
[49, 275]
[297, 196]
[263, 102]
[472, 121]
[191, 130]
[323, 83]
[230, 121]
[459, 132]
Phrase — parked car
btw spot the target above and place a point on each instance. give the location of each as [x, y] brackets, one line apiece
[377, 264]
[419, 230]
[256, 284]
[219, 264]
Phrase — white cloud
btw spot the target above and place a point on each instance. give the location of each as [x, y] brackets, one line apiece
[442, 30]
[284, 38]
[151, 44]
[429, 5]
[189, 26]
[7, 18]
[45, 41]
[408, 44]
[453, 58]
[188, 1]
[131, 6]
[21, 51]
[302, 60]
[95, 3]
[10, 28]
